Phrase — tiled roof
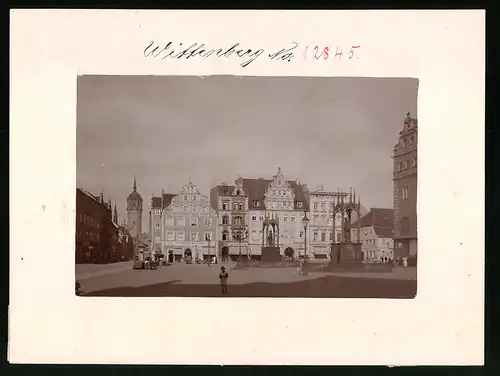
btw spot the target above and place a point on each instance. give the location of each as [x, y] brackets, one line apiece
[383, 231]
[167, 199]
[256, 190]
[377, 217]
[225, 189]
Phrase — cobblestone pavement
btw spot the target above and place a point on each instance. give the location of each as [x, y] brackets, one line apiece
[202, 281]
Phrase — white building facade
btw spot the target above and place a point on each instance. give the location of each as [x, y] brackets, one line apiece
[283, 200]
[376, 235]
[188, 225]
[321, 204]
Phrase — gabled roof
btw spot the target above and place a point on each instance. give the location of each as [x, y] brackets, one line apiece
[167, 199]
[377, 217]
[256, 190]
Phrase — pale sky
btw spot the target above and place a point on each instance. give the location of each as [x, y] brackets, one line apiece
[339, 132]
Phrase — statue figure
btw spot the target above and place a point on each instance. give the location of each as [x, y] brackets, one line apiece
[270, 240]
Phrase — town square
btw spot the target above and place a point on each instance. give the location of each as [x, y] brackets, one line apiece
[173, 220]
[201, 280]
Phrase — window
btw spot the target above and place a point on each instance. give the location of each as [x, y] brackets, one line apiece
[286, 234]
[315, 236]
[237, 220]
[225, 206]
[405, 192]
[225, 235]
[235, 206]
[301, 234]
[181, 221]
[400, 166]
[261, 218]
[285, 218]
[405, 223]
[254, 217]
[157, 224]
[411, 140]
[413, 162]
[225, 220]
[323, 206]
[195, 209]
[331, 206]
[256, 203]
[194, 236]
[405, 165]
[195, 198]
[81, 217]
[315, 206]
[193, 222]
[331, 236]
[186, 209]
[170, 235]
[323, 236]
[241, 206]
[180, 235]
[185, 198]
[323, 219]
[299, 204]
[316, 218]
[292, 219]
[208, 236]
[170, 221]
[403, 143]
[254, 234]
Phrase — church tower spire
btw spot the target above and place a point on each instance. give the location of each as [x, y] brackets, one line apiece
[134, 211]
[115, 215]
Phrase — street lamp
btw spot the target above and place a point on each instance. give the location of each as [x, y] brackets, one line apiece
[305, 222]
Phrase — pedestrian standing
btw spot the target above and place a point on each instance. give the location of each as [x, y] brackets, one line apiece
[223, 280]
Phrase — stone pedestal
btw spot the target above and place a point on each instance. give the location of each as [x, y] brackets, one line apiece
[271, 254]
[346, 253]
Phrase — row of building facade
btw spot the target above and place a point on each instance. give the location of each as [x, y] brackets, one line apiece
[98, 237]
[231, 218]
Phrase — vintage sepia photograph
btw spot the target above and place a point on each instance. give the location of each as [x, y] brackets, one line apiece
[253, 186]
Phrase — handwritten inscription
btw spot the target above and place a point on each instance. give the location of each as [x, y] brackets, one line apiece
[247, 56]
[326, 52]
[169, 51]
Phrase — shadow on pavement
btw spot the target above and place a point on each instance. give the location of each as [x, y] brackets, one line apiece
[324, 287]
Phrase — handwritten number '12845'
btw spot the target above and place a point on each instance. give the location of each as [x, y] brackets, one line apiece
[326, 52]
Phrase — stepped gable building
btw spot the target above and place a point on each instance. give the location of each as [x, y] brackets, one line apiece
[187, 226]
[231, 204]
[405, 189]
[376, 234]
[283, 200]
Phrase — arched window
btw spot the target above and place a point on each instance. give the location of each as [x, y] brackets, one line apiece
[241, 206]
[225, 235]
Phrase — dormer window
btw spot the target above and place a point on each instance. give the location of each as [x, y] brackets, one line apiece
[238, 192]
[256, 203]
[299, 204]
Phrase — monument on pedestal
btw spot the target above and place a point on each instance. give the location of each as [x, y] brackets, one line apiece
[270, 239]
[345, 250]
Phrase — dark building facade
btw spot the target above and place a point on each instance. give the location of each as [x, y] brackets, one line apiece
[405, 190]
[93, 228]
